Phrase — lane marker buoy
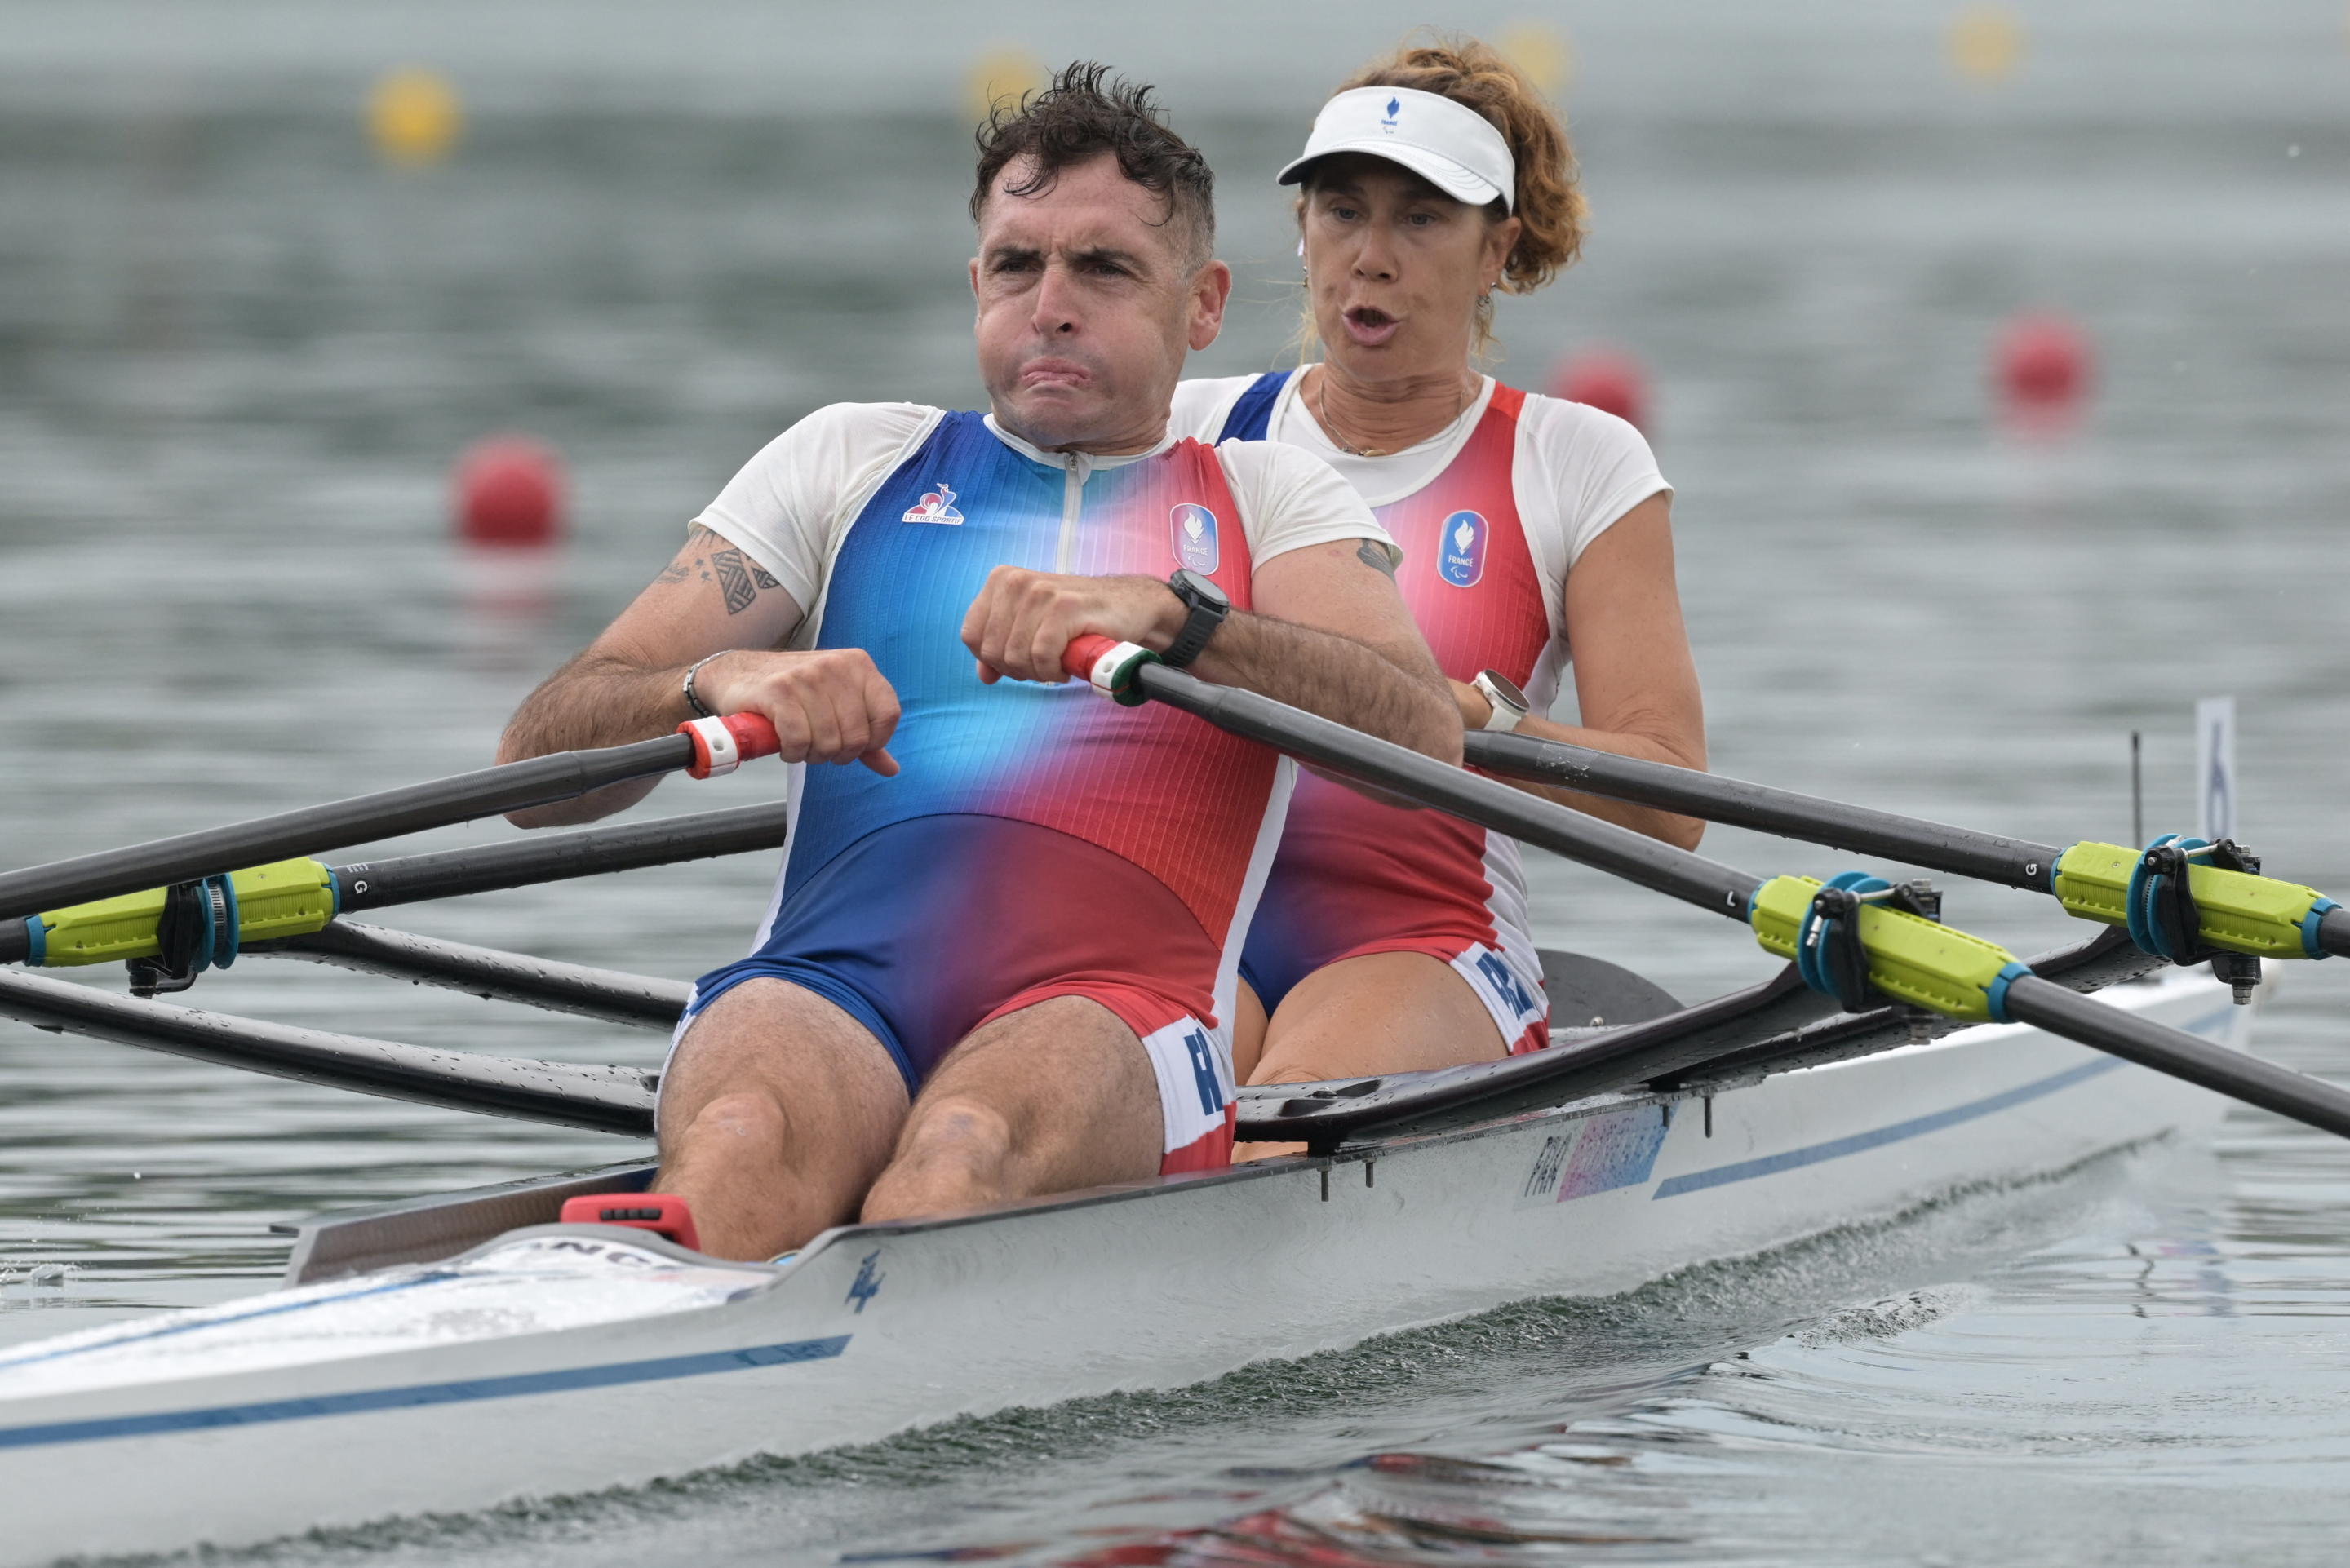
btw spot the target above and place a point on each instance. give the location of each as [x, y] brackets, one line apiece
[1985, 43]
[1605, 379]
[510, 493]
[1002, 72]
[413, 117]
[1545, 54]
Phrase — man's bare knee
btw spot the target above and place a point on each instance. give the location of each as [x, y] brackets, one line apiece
[954, 1148]
[956, 1124]
[747, 1118]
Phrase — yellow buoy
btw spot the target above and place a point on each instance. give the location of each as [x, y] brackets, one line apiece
[1544, 53]
[1985, 43]
[413, 117]
[999, 73]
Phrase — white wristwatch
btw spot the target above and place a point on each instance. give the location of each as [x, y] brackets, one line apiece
[1508, 703]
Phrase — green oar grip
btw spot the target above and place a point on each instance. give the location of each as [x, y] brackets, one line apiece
[284, 899]
[1910, 958]
[2240, 913]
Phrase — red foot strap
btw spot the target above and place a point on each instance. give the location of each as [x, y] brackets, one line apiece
[662, 1213]
[721, 745]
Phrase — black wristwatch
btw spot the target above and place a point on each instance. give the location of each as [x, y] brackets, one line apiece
[1208, 605]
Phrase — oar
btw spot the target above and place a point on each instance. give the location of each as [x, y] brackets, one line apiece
[1830, 932]
[2233, 911]
[558, 857]
[705, 747]
[70, 936]
[567, 1094]
[492, 974]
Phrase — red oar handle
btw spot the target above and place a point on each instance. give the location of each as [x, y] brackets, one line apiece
[721, 745]
[1079, 658]
[1108, 665]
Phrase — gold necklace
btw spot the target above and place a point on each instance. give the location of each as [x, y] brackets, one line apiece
[1322, 410]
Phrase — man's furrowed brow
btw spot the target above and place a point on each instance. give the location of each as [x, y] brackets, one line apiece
[1109, 255]
[1009, 254]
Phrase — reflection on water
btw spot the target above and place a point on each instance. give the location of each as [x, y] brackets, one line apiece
[237, 361]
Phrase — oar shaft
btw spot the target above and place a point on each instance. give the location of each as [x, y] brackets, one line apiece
[557, 856]
[2075, 1017]
[617, 997]
[1602, 845]
[2245, 914]
[1960, 851]
[525, 862]
[2334, 930]
[565, 776]
[601, 1099]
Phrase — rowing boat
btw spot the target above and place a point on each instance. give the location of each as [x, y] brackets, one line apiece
[589, 1356]
[1894, 1061]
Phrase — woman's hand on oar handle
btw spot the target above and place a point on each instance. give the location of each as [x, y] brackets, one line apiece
[824, 705]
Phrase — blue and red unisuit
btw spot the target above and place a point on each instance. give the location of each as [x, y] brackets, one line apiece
[1038, 842]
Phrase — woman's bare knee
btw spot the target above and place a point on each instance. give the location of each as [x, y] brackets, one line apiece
[1379, 1013]
[1249, 1022]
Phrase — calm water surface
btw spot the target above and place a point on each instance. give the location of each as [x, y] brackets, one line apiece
[237, 360]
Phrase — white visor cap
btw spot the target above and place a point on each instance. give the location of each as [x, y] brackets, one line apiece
[1448, 144]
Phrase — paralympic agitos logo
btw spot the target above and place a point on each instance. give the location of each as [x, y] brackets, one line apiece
[1461, 549]
[1191, 531]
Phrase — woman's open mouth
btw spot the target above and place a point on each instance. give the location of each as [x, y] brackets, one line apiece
[1370, 327]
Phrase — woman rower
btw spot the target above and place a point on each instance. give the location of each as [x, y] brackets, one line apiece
[1390, 940]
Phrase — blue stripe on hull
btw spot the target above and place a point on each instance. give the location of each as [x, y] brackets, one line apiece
[1836, 1148]
[36, 1355]
[364, 1400]
[1876, 1138]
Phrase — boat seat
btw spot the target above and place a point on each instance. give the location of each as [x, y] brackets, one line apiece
[1587, 992]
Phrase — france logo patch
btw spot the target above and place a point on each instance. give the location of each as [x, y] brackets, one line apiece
[1461, 549]
[1193, 531]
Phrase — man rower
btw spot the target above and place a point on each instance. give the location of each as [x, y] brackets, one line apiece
[999, 949]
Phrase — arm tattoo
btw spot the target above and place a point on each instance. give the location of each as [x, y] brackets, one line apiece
[731, 577]
[738, 577]
[1371, 555]
[683, 565]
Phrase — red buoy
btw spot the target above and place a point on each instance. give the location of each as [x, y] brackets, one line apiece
[2042, 365]
[1606, 379]
[510, 493]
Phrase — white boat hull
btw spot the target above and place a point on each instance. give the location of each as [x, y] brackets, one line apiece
[568, 1359]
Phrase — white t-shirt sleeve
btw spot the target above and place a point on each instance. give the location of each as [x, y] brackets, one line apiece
[788, 505]
[1588, 469]
[1288, 499]
[1200, 407]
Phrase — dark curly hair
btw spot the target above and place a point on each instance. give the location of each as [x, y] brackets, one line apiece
[1085, 114]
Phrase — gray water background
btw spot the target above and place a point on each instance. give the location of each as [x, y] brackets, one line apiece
[238, 358]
